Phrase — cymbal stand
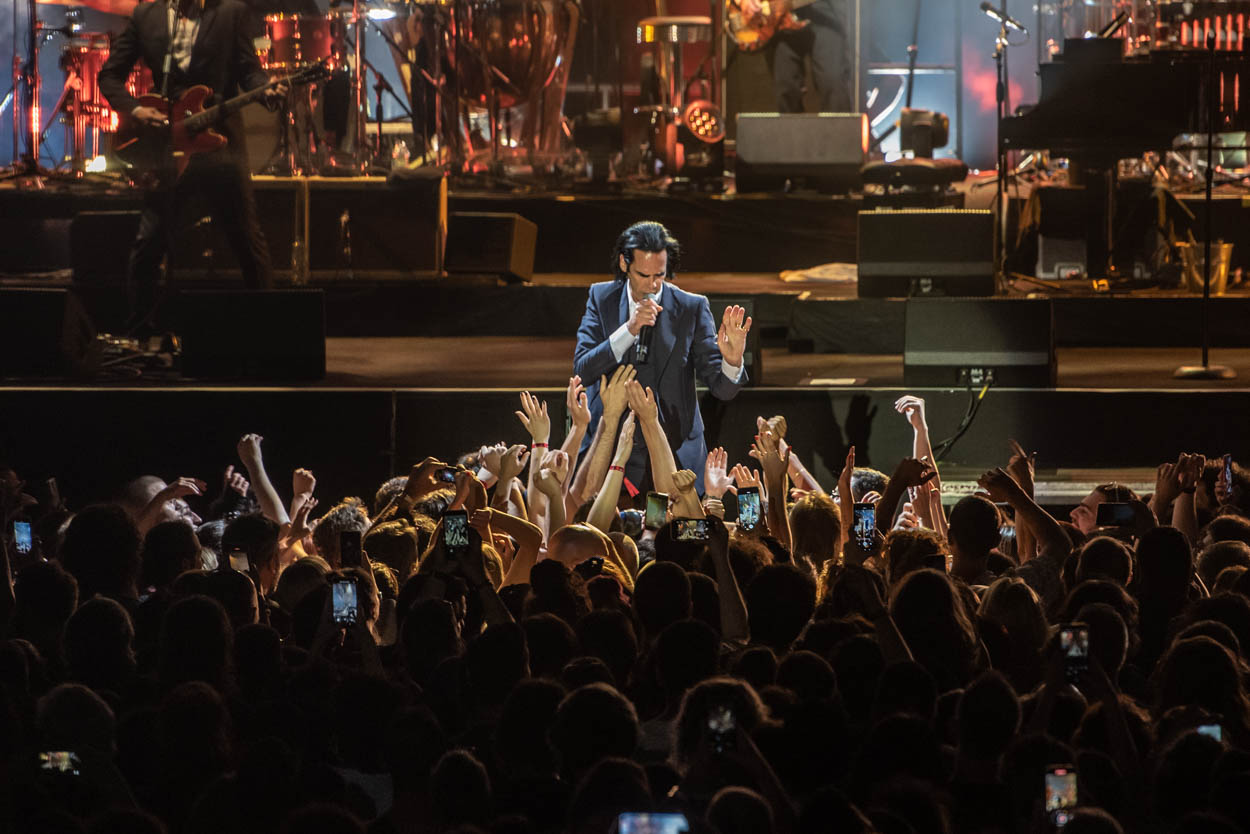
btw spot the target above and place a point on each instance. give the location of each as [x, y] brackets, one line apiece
[26, 76]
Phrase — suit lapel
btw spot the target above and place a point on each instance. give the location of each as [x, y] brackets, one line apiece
[623, 314]
[202, 47]
[666, 327]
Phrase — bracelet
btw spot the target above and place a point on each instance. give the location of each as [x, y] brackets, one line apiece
[538, 445]
[615, 468]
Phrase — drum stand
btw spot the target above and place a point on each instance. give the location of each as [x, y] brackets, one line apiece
[26, 77]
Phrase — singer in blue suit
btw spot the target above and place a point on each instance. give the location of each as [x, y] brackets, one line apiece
[640, 318]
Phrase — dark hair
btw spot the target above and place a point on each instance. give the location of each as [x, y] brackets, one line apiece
[647, 236]
[974, 524]
[1103, 557]
[101, 550]
[169, 548]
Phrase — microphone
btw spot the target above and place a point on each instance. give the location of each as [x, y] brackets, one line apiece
[1002, 17]
[644, 338]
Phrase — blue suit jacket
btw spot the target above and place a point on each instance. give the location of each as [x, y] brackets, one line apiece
[683, 349]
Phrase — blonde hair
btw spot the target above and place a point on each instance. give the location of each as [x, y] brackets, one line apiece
[1012, 604]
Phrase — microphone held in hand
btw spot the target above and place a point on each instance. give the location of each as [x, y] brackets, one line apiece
[644, 337]
[1002, 17]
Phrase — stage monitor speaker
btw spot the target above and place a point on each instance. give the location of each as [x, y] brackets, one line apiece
[44, 333]
[753, 356]
[955, 342]
[273, 335]
[908, 252]
[824, 149]
[100, 243]
[491, 243]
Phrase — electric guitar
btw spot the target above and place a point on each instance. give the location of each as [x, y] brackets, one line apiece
[751, 34]
[146, 150]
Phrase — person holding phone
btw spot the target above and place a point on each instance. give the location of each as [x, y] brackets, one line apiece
[668, 335]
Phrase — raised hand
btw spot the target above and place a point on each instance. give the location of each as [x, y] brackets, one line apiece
[684, 480]
[183, 487]
[685, 500]
[744, 477]
[1021, 466]
[480, 520]
[490, 457]
[235, 481]
[624, 442]
[512, 462]
[556, 462]
[303, 482]
[249, 449]
[716, 480]
[913, 409]
[533, 415]
[1000, 485]
[642, 401]
[423, 477]
[844, 479]
[1190, 470]
[912, 472]
[612, 392]
[907, 519]
[1167, 485]
[548, 482]
[766, 450]
[300, 527]
[576, 402]
[732, 337]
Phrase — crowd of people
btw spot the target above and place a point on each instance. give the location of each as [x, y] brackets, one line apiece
[525, 640]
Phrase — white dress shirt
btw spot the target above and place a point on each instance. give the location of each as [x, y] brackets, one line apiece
[622, 339]
[183, 31]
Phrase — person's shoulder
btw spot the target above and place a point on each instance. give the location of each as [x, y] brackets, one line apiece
[684, 299]
[602, 289]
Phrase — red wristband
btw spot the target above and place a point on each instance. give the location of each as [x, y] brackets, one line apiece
[615, 468]
[538, 445]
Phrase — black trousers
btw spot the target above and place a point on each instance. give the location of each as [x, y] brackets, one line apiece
[826, 42]
[220, 183]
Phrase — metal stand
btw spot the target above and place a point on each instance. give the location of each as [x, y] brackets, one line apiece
[1206, 370]
[1000, 97]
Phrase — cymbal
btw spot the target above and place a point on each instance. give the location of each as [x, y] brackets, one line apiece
[118, 7]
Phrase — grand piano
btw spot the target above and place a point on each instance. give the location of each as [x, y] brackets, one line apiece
[1097, 107]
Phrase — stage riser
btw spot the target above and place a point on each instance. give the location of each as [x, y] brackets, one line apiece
[94, 440]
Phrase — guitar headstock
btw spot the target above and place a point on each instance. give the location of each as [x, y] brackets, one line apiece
[319, 71]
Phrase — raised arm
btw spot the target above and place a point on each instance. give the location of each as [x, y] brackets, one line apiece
[579, 417]
[550, 480]
[734, 624]
[181, 488]
[686, 502]
[528, 538]
[533, 415]
[604, 508]
[719, 353]
[614, 399]
[1021, 467]
[1184, 509]
[776, 466]
[270, 503]
[910, 472]
[663, 464]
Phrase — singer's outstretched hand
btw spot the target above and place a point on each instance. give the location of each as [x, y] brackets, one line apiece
[732, 339]
[645, 315]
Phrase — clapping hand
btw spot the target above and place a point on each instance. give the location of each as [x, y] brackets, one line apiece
[732, 338]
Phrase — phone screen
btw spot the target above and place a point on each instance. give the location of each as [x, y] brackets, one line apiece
[456, 530]
[657, 510]
[631, 522]
[1061, 795]
[721, 725]
[865, 524]
[638, 823]
[349, 549]
[1214, 731]
[1228, 471]
[749, 508]
[691, 530]
[22, 539]
[1115, 514]
[59, 761]
[238, 560]
[343, 601]
[1074, 643]
[447, 475]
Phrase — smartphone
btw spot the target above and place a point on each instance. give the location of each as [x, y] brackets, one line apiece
[1228, 472]
[721, 726]
[590, 568]
[350, 554]
[59, 761]
[1214, 731]
[455, 530]
[446, 475]
[640, 823]
[657, 510]
[691, 530]
[749, 508]
[238, 560]
[23, 542]
[1115, 514]
[865, 524]
[343, 605]
[1060, 793]
[1074, 643]
[631, 523]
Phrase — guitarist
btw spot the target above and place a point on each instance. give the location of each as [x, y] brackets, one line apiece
[825, 42]
[201, 42]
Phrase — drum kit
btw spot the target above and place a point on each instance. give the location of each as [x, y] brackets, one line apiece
[483, 83]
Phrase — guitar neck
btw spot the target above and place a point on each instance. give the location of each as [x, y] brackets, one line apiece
[209, 115]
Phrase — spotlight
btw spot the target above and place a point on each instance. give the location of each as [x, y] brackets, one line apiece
[703, 119]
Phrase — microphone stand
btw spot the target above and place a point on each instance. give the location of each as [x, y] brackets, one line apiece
[1206, 370]
[1000, 95]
